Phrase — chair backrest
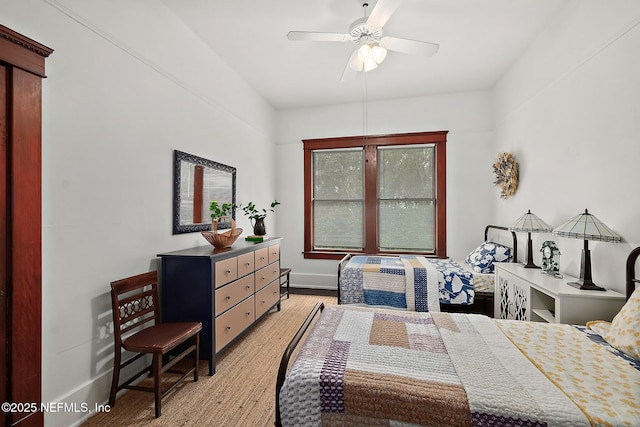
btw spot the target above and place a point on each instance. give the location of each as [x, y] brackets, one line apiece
[134, 302]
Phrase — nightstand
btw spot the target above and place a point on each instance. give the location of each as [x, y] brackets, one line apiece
[528, 294]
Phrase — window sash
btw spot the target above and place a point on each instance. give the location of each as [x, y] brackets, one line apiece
[406, 198]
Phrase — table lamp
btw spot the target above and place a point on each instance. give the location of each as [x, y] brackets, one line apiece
[530, 223]
[588, 227]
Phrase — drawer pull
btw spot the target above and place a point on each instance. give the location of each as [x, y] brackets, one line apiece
[228, 297]
[263, 301]
[228, 327]
[248, 286]
[262, 278]
[261, 258]
[247, 264]
[248, 313]
[228, 271]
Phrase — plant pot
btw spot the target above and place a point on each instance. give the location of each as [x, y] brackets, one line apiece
[259, 228]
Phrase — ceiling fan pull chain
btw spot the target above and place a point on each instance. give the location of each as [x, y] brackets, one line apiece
[365, 112]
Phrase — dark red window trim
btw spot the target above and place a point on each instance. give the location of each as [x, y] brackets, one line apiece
[369, 144]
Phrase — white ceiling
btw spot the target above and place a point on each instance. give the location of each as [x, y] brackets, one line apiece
[479, 40]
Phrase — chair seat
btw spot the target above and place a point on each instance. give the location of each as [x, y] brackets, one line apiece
[162, 337]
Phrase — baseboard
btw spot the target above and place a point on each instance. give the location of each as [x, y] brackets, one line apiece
[314, 291]
[81, 403]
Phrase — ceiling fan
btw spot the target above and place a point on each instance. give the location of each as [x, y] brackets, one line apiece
[366, 33]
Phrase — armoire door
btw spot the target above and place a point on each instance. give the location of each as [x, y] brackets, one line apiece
[3, 235]
[21, 74]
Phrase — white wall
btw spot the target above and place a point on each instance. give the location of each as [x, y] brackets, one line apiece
[119, 98]
[568, 110]
[467, 117]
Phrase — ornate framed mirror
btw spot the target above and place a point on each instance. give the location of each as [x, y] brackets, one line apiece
[196, 182]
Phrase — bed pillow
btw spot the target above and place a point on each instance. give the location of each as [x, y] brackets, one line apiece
[481, 259]
[600, 327]
[624, 333]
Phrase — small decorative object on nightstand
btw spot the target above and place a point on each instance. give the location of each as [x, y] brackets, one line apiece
[551, 259]
[588, 227]
[529, 223]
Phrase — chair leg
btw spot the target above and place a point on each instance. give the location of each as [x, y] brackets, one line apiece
[116, 376]
[288, 293]
[197, 358]
[157, 368]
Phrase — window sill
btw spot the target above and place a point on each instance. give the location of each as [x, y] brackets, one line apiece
[339, 255]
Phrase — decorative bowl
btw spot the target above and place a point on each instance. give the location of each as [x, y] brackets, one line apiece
[222, 240]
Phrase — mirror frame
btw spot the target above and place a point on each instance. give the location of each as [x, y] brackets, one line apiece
[178, 157]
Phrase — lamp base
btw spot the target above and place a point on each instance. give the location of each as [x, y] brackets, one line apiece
[586, 286]
[530, 265]
[585, 283]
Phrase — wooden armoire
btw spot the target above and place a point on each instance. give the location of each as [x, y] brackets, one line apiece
[21, 73]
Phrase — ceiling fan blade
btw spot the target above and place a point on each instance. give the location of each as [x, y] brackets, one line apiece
[382, 11]
[413, 47]
[349, 73]
[318, 37]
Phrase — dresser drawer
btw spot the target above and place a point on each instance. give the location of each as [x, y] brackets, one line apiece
[226, 271]
[246, 264]
[274, 253]
[231, 323]
[262, 257]
[266, 275]
[267, 298]
[231, 294]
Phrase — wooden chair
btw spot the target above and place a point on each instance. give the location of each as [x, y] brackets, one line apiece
[135, 304]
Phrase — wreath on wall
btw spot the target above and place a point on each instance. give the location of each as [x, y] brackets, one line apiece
[505, 170]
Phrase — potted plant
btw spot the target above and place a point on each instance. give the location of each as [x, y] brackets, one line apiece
[257, 216]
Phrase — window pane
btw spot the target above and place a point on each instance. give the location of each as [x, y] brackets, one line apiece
[337, 175]
[406, 225]
[338, 225]
[405, 172]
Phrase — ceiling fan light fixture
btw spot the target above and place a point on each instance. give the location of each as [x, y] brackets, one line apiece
[368, 57]
[364, 52]
[369, 65]
[355, 63]
[378, 53]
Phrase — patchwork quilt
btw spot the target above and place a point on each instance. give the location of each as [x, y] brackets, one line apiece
[372, 366]
[405, 282]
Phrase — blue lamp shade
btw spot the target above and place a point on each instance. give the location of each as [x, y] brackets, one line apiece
[587, 227]
[530, 223]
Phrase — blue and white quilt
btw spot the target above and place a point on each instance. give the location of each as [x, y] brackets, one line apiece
[409, 282]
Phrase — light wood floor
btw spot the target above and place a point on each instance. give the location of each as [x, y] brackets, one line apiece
[241, 393]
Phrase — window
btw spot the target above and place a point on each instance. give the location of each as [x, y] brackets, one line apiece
[375, 194]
